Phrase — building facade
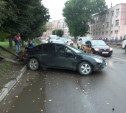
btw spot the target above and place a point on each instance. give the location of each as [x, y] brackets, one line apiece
[57, 24]
[110, 24]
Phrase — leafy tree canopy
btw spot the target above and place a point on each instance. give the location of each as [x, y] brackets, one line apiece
[25, 16]
[58, 32]
[79, 12]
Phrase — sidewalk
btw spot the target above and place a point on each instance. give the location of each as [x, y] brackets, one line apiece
[10, 78]
[119, 44]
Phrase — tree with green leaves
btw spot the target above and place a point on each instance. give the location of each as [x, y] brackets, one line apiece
[28, 17]
[79, 12]
[58, 32]
[54, 32]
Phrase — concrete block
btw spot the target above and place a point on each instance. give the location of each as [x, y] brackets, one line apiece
[3, 93]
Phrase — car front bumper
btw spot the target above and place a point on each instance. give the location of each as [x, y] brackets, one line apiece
[103, 53]
[100, 66]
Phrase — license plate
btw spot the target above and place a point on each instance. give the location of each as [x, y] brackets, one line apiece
[105, 52]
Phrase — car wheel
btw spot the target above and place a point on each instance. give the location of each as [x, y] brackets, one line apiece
[33, 64]
[85, 68]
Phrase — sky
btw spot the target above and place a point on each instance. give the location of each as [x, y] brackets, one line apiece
[56, 6]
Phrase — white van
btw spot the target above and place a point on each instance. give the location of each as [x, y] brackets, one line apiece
[124, 42]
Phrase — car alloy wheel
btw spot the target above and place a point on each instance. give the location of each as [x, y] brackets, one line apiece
[33, 64]
[85, 68]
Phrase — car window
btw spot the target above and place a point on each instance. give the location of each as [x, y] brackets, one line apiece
[98, 43]
[60, 49]
[88, 43]
[74, 49]
[48, 48]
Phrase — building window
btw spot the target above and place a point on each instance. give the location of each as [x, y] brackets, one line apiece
[106, 32]
[106, 24]
[107, 15]
[112, 13]
[102, 33]
[103, 25]
[116, 22]
[116, 31]
[111, 32]
[117, 12]
[112, 23]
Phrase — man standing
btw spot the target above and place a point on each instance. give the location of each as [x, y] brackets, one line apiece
[17, 39]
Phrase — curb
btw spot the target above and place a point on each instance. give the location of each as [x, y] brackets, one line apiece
[11, 84]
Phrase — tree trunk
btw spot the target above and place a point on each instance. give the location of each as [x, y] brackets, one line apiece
[10, 42]
[22, 43]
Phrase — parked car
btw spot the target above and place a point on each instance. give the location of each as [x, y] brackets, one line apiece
[52, 37]
[44, 41]
[81, 41]
[67, 41]
[124, 43]
[98, 47]
[53, 55]
[58, 41]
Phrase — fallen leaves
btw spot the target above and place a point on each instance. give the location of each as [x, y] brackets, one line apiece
[42, 110]
[16, 96]
[40, 89]
[50, 100]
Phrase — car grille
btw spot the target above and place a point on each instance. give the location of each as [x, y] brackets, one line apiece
[104, 49]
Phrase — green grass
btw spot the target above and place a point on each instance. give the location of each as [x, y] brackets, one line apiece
[5, 44]
[4, 68]
[37, 42]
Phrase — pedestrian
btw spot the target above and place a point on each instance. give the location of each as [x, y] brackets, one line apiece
[17, 39]
[31, 44]
[116, 39]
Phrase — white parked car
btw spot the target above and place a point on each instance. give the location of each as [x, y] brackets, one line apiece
[44, 41]
[52, 37]
[124, 43]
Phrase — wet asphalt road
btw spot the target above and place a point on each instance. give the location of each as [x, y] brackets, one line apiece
[62, 91]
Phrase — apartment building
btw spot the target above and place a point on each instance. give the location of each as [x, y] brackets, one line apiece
[57, 24]
[110, 24]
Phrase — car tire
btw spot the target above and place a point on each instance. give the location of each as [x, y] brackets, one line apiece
[33, 64]
[85, 68]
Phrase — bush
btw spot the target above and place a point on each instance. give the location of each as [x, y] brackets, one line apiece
[4, 36]
[58, 32]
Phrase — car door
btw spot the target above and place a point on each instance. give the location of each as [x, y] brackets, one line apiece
[47, 54]
[87, 46]
[64, 57]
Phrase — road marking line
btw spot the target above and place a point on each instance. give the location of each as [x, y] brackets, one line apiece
[120, 59]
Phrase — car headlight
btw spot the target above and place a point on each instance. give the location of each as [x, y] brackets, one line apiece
[98, 60]
[96, 49]
[111, 49]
